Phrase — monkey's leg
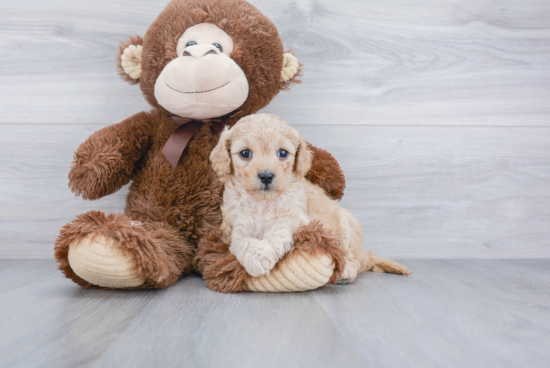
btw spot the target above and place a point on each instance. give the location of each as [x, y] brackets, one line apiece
[96, 250]
[314, 261]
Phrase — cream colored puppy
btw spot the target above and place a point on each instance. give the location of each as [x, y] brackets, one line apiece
[263, 162]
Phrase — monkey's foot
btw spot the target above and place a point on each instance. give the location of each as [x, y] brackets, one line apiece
[98, 260]
[298, 272]
[113, 251]
[315, 260]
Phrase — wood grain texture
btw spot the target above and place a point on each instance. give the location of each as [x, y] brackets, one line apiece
[458, 313]
[450, 62]
[419, 192]
[437, 111]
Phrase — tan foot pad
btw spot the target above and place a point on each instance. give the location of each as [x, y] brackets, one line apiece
[101, 264]
[299, 272]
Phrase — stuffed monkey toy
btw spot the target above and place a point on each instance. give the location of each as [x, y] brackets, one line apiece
[202, 65]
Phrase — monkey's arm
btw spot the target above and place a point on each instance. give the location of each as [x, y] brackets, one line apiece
[107, 159]
[326, 173]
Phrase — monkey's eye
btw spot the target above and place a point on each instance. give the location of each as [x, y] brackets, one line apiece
[246, 154]
[282, 154]
[190, 43]
[218, 46]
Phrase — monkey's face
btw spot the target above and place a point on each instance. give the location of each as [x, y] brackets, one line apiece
[203, 81]
[203, 59]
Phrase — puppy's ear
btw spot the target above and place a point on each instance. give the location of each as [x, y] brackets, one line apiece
[220, 156]
[304, 157]
[129, 59]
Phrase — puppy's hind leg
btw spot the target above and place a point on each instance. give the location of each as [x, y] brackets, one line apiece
[359, 260]
[352, 242]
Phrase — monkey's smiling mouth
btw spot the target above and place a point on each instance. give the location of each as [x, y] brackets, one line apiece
[190, 93]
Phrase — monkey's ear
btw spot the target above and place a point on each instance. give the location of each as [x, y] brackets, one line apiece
[292, 69]
[129, 59]
[220, 156]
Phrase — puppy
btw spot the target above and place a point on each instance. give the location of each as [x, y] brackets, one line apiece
[263, 162]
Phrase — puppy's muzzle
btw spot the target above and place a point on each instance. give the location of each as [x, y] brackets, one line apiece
[266, 177]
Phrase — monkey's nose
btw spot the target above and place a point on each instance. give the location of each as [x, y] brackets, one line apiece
[266, 177]
[198, 51]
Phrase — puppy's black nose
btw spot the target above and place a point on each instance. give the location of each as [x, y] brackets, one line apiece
[266, 177]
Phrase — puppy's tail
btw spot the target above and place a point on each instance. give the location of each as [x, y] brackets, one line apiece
[371, 262]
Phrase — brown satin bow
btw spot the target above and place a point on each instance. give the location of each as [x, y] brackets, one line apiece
[175, 145]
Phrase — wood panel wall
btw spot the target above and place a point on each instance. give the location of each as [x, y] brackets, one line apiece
[438, 111]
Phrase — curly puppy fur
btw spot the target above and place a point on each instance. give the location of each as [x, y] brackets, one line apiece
[263, 162]
[184, 202]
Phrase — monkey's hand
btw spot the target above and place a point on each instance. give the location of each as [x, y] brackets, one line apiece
[107, 159]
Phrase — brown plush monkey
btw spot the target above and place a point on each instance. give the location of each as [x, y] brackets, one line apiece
[202, 65]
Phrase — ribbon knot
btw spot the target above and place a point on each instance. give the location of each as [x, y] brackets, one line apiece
[175, 145]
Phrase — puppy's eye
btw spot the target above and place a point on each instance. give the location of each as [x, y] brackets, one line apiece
[191, 43]
[218, 46]
[282, 154]
[246, 154]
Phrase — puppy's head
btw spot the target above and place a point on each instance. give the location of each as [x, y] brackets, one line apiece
[262, 153]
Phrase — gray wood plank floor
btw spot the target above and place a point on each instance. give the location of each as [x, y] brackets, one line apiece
[455, 313]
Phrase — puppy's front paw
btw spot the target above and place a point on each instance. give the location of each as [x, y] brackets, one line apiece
[258, 261]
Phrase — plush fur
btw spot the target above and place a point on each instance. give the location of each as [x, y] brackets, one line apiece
[161, 255]
[177, 207]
